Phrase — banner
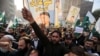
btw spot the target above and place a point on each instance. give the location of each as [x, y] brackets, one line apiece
[42, 10]
[78, 30]
[58, 13]
[72, 15]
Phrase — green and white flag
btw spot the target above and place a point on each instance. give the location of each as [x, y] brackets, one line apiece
[9, 25]
[97, 26]
[2, 16]
[15, 22]
[78, 27]
[91, 17]
[12, 24]
[86, 23]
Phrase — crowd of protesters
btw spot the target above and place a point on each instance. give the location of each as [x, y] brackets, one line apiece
[37, 41]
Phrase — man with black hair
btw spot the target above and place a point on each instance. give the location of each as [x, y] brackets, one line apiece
[24, 46]
[51, 48]
[88, 46]
[43, 19]
[76, 51]
[69, 42]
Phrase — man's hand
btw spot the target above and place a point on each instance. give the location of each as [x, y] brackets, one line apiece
[27, 15]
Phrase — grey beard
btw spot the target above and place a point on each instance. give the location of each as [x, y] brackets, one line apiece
[3, 50]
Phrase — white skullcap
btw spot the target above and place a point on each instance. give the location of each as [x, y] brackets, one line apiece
[9, 37]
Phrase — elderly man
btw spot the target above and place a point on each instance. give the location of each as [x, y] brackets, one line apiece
[6, 46]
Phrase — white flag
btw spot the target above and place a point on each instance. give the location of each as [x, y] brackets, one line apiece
[97, 26]
[2, 15]
[9, 25]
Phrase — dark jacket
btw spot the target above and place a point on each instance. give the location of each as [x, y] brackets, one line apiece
[89, 50]
[69, 46]
[50, 49]
[26, 52]
[8, 53]
[39, 47]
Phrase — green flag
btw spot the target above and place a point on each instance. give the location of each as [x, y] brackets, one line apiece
[15, 23]
[78, 23]
[2, 18]
[82, 24]
[94, 33]
[86, 23]
[2, 15]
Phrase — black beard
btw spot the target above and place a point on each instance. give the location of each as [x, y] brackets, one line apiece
[22, 52]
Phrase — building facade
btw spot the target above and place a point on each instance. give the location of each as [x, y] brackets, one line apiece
[9, 8]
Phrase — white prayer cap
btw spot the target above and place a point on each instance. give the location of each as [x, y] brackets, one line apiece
[9, 37]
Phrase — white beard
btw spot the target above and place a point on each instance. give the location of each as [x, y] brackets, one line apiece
[3, 50]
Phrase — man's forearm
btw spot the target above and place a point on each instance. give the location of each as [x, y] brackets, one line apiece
[39, 33]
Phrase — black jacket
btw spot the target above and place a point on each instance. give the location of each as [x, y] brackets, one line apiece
[50, 49]
[8, 53]
[39, 47]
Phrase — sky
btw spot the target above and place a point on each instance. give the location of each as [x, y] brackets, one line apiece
[96, 5]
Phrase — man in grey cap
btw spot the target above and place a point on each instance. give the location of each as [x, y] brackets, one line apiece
[6, 45]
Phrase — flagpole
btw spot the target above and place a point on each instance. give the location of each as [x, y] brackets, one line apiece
[43, 21]
[23, 4]
[43, 6]
[27, 4]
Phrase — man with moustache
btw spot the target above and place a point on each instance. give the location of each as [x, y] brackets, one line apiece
[24, 46]
[6, 46]
[51, 48]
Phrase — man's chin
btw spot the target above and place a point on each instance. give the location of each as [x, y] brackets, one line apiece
[54, 42]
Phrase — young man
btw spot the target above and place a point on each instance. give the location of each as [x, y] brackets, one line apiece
[52, 48]
[24, 46]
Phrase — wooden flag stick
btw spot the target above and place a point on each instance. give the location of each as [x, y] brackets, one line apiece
[26, 2]
[28, 5]
[23, 4]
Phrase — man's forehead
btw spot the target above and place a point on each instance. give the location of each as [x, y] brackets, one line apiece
[4, 39]
[89, 42]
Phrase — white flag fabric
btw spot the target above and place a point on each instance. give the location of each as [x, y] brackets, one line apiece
[9, 25]
[91, 35]
[97, 26]
[91, 17]
[2, 15]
